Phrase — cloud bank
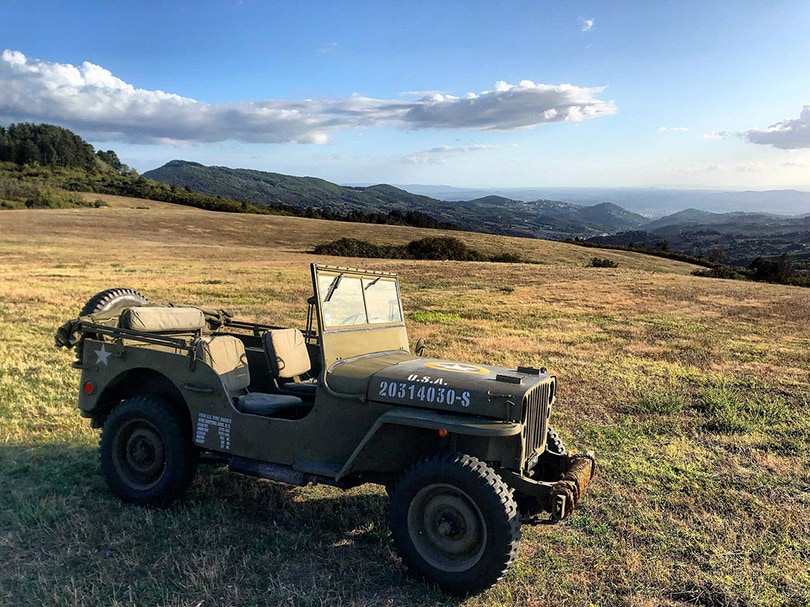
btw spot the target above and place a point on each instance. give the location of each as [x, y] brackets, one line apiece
[787, 134]
[94, 102]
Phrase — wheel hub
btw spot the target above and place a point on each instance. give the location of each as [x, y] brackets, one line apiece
[145, 451]
[447, 527]
[140, 455]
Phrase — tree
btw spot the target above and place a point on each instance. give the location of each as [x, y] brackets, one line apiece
[111, 158]
[779, 270]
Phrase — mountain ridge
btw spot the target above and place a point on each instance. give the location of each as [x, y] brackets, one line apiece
[497, 215]
[737, 236]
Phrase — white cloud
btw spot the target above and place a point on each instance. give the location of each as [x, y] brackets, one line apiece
[441, 154]
[787, 134]
[508, 107]
[328, 48]
[673, 129]
[587, 25]
[94, 102]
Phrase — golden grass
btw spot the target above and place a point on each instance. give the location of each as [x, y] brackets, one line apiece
[694, 392]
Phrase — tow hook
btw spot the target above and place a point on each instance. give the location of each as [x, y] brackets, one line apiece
[566, 492]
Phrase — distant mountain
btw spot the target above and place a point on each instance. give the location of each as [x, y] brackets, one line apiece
[729, 223]
[498, 215]
[273, 189]
[650, 202]
[736, 237]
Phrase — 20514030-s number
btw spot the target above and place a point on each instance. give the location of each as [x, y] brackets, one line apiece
[422, 393]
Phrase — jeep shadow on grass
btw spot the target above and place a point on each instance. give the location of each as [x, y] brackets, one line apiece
[465, 451]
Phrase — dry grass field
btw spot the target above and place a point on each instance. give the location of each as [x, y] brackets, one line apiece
[694, 393]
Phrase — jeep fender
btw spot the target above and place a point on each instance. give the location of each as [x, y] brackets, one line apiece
[442, 423]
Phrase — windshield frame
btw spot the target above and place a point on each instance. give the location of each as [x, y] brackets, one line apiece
[350, 299]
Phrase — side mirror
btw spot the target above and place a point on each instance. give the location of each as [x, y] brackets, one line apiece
[419, 348]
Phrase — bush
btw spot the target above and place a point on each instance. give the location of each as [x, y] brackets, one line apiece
[352, 247]
[603, 262]
[442, 248]
[432, 248]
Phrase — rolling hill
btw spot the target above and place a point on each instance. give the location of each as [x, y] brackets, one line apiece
[693, 393]
[736, 238]
[493, 214]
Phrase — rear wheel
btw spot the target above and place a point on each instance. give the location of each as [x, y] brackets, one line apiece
[112, 299]
[147, 456]
[454, 523]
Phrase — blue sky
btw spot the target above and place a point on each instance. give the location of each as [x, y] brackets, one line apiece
[469, 94]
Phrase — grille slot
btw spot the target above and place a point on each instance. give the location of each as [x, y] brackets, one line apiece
[536, 405]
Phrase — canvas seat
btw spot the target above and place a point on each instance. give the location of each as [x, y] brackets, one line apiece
[226, 355]
[158, 319]
[289, 359]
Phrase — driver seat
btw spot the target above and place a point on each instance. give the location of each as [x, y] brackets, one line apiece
[289, 359]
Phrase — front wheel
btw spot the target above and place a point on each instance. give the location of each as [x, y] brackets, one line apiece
[454, 523]
[147, 456]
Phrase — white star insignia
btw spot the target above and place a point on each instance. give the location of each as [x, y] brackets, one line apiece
[457, 367]
[102, 355]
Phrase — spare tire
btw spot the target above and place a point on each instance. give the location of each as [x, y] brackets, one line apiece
[112, 299]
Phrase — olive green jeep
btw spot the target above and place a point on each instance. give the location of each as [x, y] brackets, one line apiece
[465, 451]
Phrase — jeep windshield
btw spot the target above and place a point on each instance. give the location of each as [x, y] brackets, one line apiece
[348, 299]
[359, 312]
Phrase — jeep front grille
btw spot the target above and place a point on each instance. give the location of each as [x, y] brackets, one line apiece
[536, 406]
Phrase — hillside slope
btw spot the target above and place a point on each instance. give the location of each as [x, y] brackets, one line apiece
[693, 392]
[494, 215]
[129, 221]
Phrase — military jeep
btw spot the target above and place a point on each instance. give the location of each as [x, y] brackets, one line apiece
[465, 451]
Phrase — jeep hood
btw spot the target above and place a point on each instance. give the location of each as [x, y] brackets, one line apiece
[403, 379]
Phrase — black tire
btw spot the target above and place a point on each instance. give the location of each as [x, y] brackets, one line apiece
[554, 443]
[112, 299]
[455, 523]
[147, 456]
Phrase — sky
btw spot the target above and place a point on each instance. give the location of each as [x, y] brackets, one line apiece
[484, 94]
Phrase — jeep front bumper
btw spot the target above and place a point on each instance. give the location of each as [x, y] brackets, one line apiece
[558, 498]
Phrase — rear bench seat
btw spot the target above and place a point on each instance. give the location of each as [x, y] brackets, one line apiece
[155, 319]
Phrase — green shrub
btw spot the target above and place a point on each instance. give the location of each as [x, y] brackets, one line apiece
[727, 272]
[603, 262]
[51, 198]
[438, 248]
[352, 247]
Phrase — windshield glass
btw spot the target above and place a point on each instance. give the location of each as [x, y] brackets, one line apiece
[354, 300]
[382, 301]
